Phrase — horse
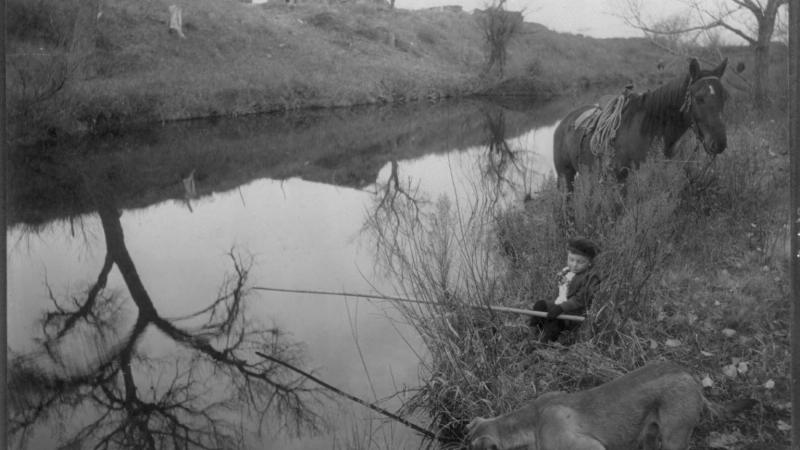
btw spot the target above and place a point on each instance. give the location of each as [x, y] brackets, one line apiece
[661, 116]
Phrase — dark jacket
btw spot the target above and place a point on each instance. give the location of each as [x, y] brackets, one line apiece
[580, 293]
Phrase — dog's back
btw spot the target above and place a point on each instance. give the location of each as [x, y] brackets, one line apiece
[661, 400]
[664, 384]
[656, 406]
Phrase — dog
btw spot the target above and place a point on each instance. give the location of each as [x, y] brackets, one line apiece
[654, 407]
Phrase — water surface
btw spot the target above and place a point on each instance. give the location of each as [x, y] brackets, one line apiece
[288, 196]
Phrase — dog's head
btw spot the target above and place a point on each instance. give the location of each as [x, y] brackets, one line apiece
[481, 435]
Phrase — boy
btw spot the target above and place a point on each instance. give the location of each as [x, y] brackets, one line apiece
[577, 285]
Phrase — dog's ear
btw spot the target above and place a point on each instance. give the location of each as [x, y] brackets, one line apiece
[480, 439]
[474, 423]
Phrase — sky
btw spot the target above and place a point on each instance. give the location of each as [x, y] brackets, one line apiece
[601, 18]
[590, 17]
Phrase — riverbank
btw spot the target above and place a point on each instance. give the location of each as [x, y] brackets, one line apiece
[695, 262]
[240, 58]
[46, 182]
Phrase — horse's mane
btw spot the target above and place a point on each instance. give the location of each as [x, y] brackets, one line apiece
[661, 106]
[669, 96]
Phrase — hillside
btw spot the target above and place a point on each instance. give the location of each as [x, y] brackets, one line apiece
[240, 58]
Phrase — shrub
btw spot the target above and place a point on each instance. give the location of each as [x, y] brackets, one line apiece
[751, 170]
[369, 32]
[45, 21]
[633, 224]
[428, 35]
[327, 21]
[454, 259]
[483, 363]
[498, 26]
[34, 83]
[534, 68]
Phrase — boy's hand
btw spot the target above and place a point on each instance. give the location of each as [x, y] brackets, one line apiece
[555, 311]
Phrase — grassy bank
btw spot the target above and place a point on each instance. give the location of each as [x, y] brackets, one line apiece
[239, 58]
[695, 262]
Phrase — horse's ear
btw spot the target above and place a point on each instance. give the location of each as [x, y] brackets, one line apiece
[694, 69]
[720, 69]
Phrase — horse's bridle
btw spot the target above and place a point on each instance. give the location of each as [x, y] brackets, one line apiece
[686, 108]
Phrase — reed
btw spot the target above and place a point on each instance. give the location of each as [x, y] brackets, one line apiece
[671, 237]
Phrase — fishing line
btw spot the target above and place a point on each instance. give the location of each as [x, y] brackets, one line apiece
[526, 312]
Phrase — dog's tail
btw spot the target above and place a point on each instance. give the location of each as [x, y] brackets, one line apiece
[730, 409]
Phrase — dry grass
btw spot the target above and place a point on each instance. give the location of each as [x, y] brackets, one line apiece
[692, 268]
[241, 59]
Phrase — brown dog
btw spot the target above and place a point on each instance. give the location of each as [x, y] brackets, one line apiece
[654, 407]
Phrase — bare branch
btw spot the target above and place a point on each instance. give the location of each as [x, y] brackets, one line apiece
[178, 408]
[738, 32]
[71, 318]
[756, 9]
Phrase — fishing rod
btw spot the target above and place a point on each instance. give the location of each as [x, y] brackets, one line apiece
[507, 309]
[427, 433]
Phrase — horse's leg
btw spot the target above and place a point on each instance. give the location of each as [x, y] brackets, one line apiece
[566, 187]
[566, 179]
[566, 147]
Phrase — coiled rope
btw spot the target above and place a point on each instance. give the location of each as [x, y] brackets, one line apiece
[608, 123]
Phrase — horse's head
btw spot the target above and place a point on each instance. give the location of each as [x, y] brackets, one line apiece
[705, 100]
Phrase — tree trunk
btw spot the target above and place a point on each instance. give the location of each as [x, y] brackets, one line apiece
[176, 20]
[115, 246]
[84, 33]
[760, 95]
[766, 26]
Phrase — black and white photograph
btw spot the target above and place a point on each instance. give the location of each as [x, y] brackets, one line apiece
[401, 224]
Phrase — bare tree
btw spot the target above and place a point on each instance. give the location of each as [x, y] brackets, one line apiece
[499, 27]
[752, 20]
[69, 31]
[129, 399]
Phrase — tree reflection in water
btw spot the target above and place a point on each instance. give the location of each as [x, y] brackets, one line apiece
[448, 255]
[122, 397]
[396, 209]
[402, 212]
[506, 169]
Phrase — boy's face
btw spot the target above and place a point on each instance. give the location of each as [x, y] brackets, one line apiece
[577, 263]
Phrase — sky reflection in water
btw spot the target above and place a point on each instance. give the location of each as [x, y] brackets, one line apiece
[301, 235]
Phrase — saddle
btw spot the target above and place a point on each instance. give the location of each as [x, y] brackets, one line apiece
[601, 121]
[587, 121]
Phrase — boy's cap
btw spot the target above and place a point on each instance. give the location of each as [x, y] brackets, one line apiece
[583, 246]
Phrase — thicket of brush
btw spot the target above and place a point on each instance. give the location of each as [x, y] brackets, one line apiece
[693, 272]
